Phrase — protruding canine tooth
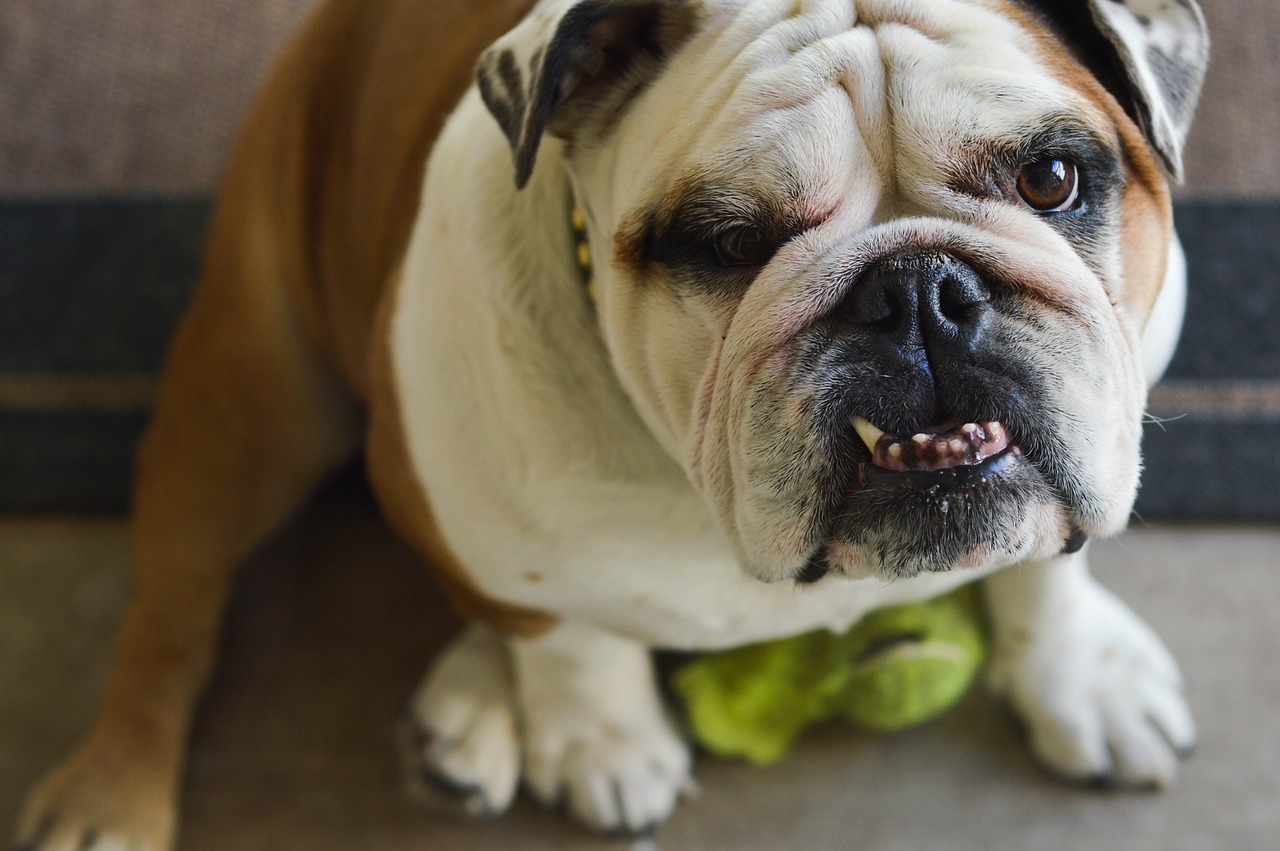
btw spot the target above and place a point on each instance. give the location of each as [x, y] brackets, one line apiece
[870, 434]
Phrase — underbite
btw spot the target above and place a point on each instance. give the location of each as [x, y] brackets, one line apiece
[944, 448]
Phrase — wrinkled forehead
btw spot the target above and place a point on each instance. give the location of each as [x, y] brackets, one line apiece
[789, 89]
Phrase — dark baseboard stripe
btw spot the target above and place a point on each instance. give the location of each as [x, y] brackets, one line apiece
[1232, 330]
[67, 461]
[91, 290]
[94, 286]
[1207, 470]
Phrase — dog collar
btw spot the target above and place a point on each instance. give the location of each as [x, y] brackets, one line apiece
[582, 250]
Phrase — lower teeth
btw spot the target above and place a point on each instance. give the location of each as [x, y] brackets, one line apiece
[970, 444]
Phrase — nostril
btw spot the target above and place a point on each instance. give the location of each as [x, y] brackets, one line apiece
[961, 294]
[921, 301]
[875, 306]
[883, 301]
[890, 312]
[958, 298]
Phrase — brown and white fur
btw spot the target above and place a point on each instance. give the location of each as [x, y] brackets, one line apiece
[672, 463]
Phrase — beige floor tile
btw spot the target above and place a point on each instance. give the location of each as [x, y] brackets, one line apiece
[335, 621]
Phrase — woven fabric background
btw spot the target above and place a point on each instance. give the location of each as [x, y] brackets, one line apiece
[143, 96]
[129, 96]
[117, 116]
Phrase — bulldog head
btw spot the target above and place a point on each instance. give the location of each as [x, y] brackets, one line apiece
[877, 270]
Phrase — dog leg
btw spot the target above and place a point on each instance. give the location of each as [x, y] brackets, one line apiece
[1099, 692]
[461, 742]
[596, 737]
[247, 422]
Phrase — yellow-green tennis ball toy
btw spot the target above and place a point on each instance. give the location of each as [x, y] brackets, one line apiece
[896, 667]
[908, 664]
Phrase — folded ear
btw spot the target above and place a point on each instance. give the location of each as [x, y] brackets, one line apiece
[569, 59]
[1152, 54]
[1163, 47]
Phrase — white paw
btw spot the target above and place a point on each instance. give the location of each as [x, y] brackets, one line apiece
[1099, 692]
[614, 779]
[596, 738]
[460, 746]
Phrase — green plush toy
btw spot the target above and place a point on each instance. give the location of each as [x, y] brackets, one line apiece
[896, 667]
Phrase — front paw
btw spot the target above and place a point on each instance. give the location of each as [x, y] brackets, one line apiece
[616, 778]
[460, 743]
[1100, 694]
[111, 795]
[596, 738]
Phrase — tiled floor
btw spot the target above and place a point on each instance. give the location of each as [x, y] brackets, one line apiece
[335, 621]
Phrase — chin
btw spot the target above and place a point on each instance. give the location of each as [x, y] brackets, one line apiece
[959, 497]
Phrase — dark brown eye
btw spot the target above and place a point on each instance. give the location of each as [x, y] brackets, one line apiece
[742, 246]
[1049, 185]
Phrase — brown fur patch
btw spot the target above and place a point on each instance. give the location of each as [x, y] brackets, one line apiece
[328, 171]
[630, 242]
[1147, 214]
[629, 250]
[332, 154]
[1147, 225]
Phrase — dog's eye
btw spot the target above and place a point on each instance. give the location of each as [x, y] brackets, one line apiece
[742, 246]
[1049, 185]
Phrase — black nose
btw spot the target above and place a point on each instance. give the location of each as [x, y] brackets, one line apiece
[926, 304]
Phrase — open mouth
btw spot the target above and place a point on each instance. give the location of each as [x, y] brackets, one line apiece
[929, 501]
[937, 452]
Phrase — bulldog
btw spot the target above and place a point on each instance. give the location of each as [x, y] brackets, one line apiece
[705, 322]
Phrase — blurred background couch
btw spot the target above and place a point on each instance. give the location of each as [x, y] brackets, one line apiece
[115, 117]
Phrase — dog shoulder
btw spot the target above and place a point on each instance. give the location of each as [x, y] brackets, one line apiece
[329, 162]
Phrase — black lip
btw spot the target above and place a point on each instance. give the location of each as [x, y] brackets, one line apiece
[878, 478]
[815, 568]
